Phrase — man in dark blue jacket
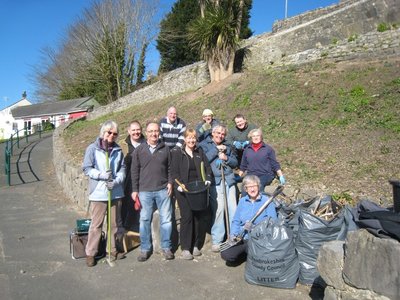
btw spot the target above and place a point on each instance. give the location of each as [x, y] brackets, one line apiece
[222, 159]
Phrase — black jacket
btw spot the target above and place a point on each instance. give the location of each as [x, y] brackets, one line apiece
[180, 165]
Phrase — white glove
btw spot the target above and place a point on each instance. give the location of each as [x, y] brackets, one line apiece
[248, 226]
[207, 183]
[179, 188]
[110, 184]
[105, 175]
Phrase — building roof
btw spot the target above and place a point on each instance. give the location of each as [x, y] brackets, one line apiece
[21, 102]
[54, 108]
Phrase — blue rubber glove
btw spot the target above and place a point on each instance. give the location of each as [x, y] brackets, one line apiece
[282, 180]
[218, 163]
[245, 144]
[237, 145]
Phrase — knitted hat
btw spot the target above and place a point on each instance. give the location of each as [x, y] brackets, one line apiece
[207, 112]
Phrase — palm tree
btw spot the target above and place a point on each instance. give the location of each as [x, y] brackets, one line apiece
[216, 34]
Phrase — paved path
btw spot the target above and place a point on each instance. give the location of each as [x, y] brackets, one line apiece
[35, 219]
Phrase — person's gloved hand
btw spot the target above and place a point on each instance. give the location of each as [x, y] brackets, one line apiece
[207, 183]
[105, 175]
[110, 184]
[206, 126]
[218, 163]
[237, 145]
[245, 144]
[179, 188]
[248, 226]
[282, 180]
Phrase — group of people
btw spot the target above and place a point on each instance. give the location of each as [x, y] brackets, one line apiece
[158, 168]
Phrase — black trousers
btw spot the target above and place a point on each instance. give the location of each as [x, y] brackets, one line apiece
[193, 225]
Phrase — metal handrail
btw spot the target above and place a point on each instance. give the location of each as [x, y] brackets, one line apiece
[9, 148]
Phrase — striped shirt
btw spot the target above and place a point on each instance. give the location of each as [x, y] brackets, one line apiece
[172, 134]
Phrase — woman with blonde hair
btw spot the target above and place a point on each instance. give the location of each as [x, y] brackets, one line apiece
[189, 164]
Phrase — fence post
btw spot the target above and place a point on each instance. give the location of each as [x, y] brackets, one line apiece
[26, 135]
[12, 145]
[8, 163]
[5, 155]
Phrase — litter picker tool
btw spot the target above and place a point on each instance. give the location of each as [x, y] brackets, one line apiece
[225, 201]
[228, 244]
[108, 259]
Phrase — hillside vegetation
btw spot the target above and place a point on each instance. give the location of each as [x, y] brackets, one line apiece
[335, 126]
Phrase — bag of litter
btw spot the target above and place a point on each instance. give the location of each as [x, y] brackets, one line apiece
[313, 232]
[271, 257]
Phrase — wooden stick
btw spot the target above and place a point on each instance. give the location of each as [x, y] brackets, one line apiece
[181, 185]
[317, 206]
[322, 210]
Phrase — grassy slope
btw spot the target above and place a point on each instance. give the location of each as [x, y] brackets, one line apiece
[335, 126]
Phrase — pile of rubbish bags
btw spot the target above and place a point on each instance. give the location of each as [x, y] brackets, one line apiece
[284, 252]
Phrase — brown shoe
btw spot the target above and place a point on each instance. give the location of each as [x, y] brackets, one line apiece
[90, 261]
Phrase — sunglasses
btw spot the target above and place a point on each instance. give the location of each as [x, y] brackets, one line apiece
[112, 133]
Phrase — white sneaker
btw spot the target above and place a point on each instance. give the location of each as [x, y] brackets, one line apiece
[215, 248]
[186, 255]
[196, 252]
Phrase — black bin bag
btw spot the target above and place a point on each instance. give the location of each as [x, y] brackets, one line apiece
[272, 259]
[313, 232]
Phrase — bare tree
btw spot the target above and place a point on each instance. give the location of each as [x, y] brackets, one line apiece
[100, 53]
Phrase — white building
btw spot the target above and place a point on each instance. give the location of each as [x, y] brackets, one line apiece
[35, 117]
[8, 125]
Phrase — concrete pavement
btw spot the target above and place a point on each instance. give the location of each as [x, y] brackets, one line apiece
[35, 263]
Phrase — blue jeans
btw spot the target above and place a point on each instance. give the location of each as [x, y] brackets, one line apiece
[150, 201]
[217, 204]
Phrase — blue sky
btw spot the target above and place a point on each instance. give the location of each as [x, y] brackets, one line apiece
[28, 26]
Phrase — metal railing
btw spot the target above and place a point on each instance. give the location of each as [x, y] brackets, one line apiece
[13, 141]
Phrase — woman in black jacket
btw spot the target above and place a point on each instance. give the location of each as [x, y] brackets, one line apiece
[189, 164]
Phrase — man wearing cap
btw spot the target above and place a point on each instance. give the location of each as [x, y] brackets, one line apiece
[203, 129]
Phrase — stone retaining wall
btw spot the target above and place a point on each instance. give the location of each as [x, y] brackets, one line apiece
[363, 267]
[369, 46]
[349, 19]
[188, 78]
[69, 175]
